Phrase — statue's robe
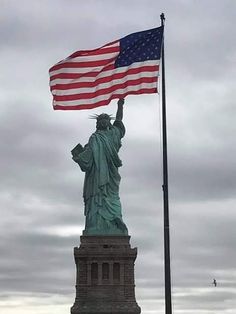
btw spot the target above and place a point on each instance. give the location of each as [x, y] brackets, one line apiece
[100, 162]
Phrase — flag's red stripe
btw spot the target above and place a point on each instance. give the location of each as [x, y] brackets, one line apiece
[106, 102]
[98, 51]
[78, 75]
[107, 90]
[147, 68]
[87, 64]
[95, 52]
[85, 53]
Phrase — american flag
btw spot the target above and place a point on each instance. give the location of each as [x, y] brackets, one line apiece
[92, 78]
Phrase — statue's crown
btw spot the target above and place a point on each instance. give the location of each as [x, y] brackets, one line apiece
[102, 116]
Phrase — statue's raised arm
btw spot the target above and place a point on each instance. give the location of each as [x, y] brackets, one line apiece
[119, 117]
[119, 113]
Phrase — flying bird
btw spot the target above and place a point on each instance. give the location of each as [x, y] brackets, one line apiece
[214, 282]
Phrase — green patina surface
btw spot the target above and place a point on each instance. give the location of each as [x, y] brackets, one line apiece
[100, 161]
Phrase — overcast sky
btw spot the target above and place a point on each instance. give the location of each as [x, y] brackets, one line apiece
[41, 187]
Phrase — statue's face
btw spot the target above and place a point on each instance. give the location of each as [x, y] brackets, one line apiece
[102, 124]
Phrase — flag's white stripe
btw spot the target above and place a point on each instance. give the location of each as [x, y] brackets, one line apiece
[79, 70]
[114, 44]
[70, 59]
[93, 57]
[89, 57]
[134, 65]
[85, 58]
[80, 80]
[104, 85]
[105, 96]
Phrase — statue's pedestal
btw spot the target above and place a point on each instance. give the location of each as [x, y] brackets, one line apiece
[105, 276]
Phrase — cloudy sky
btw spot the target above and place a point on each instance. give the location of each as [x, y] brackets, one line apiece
[41, 188]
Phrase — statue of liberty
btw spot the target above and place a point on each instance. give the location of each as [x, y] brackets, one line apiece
[100, 161]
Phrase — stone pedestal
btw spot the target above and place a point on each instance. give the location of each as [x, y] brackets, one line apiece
[105, 276]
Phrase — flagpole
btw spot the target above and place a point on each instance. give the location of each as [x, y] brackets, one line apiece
[168, 305]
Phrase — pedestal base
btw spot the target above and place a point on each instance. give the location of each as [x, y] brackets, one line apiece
[105, 276]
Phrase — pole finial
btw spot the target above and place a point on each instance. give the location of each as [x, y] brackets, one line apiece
[162, 16]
